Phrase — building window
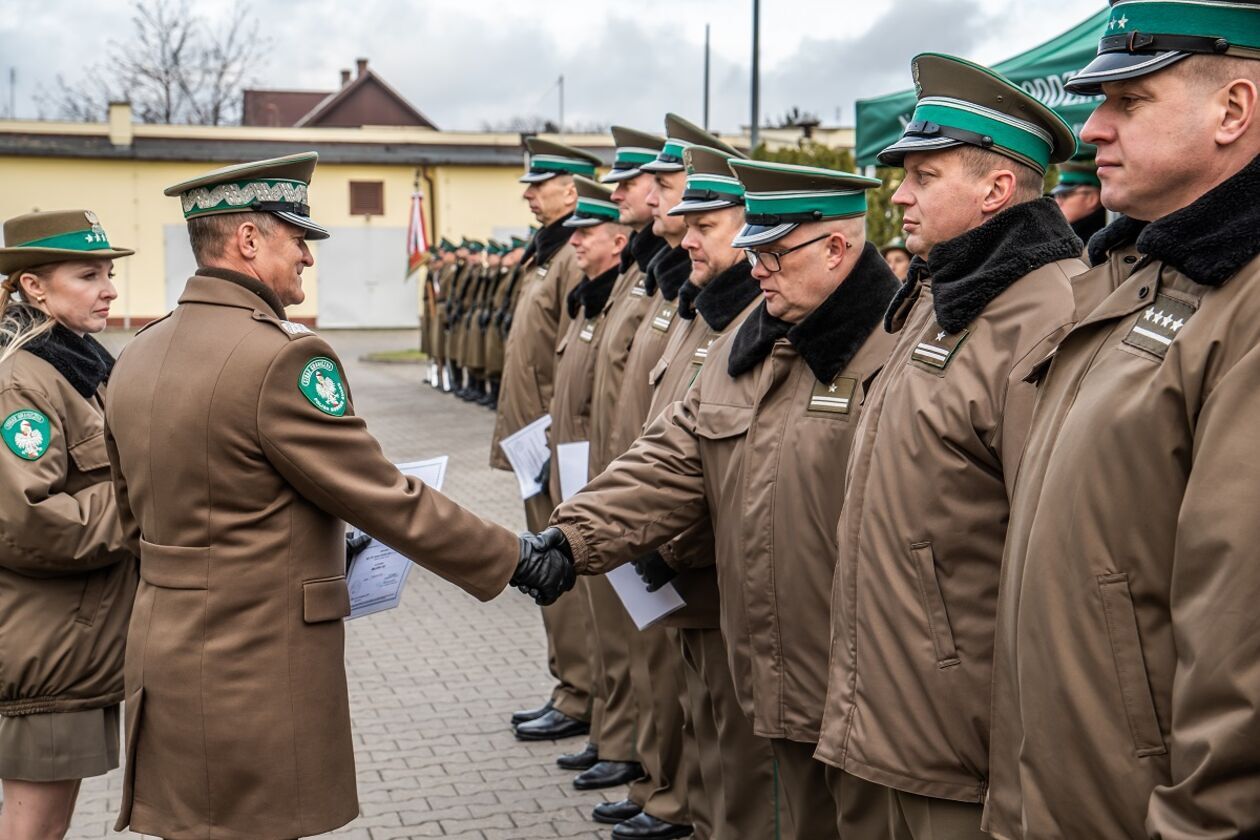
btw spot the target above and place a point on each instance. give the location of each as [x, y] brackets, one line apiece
[367, 198]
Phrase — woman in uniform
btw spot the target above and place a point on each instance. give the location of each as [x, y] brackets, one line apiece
[66, 579]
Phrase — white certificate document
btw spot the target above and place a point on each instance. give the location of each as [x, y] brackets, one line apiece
[645, 608]
[526, 451]
[574, 466]
[377, 575]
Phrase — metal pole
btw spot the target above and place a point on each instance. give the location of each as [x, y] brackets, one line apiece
[13, 93]
[756, 75]
[706, 77]
[562, 103]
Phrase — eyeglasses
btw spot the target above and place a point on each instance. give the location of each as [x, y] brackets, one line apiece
[770, 260]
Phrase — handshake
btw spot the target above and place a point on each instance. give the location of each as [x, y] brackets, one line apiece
[545, 569]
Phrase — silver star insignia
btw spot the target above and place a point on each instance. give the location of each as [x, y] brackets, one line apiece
[831, 389]
[940, 336]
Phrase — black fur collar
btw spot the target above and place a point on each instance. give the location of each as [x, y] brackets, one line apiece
[597, 291]
[1086, 228]
[970, 270]
[549, 239]
[832, 334]
[687, 300]
[82, 361]
[252, 283]
[1208, 241]
[643, 246]
[667, 271]
[727, 295]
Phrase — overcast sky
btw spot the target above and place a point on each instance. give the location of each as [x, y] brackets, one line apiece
[465, 63]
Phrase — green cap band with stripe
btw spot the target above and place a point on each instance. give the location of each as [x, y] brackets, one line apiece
[1238, 24]
[88, 239]
[1078, 178]
[594, 208]
[631, 157]
[1020, 139]
[555, 163]
[778, 207]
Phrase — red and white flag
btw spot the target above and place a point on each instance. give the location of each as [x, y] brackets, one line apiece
[417, 240]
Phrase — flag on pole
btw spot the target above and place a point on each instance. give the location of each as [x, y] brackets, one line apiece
[417, 241]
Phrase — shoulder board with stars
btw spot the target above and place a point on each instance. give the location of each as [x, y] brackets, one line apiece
[639, 289]
[834, 397]
[587, 332]
[936, 347]
[1158, 324]
[664, 315]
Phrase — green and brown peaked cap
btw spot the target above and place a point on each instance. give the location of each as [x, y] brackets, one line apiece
[961, 103]
[679, 134]
[594, 205]
[710, 183]
[53, 236]
[634, 148]
[1144, 36]
[277, 185]
[547, 159]
[780, 197]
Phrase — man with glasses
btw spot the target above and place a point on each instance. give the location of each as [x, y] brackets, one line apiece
[937, 448]
[760, 444]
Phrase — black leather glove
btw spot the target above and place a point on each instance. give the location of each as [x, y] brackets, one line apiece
[545, 569]
[507, 323]
[654, 570]
[355, 546]
[544, 476]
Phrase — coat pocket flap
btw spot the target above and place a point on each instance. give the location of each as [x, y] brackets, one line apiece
[715, 422]
[1131, 675]
[325, 600]
[90, 454]
[175, 566]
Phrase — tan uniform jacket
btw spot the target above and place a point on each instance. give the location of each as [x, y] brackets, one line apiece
[538, 320]
[668, 272]
[494, 331]
[437, 341]
[235, 484]
[464, 302]
[920, 538]
[721, 307]
[623, 313]
[763, 454]
[575, 369]
[1127, 675]
[66, 578]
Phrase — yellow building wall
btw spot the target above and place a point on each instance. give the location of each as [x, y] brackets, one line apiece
[127, 196]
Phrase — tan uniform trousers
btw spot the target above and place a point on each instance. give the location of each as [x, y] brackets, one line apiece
[566, 626]
[805, 796]
[612, 631]
[917, 817]
[732, 790]
[656, 682]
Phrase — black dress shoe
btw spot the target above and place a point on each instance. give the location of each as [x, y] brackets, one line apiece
[532, 714]
[584, 759]
[606, 774]
[647, 827]
[551, 726]
[613, 813]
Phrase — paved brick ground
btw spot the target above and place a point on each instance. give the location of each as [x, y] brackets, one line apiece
[432, 683]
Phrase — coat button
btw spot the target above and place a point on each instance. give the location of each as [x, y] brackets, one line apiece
[1143, 292]
[1130, 260]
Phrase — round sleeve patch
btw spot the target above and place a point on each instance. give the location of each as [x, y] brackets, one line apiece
[321, 383]
[26, 432]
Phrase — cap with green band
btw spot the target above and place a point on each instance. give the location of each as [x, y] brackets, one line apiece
[547, 159]
[634, 148]
[1143, 36]
[55, 236]
[780, 197]
[594, 205]
[277, 185]
[679, 134]
[961, 103]
[1080, 171]
[518, 242]
[710, 183]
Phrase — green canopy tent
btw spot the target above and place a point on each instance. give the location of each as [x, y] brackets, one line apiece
[1040, 71]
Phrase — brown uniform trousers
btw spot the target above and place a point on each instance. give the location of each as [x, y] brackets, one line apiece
[920, 538]
[538, 320]
[1133, 534]
[760, 443]
[236, 456]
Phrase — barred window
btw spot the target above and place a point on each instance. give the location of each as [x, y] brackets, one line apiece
[367, 198]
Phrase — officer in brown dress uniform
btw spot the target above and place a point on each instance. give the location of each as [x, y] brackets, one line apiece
[237, 458]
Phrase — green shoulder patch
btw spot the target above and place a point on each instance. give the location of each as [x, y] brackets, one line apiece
[321, 383]
[26, 432]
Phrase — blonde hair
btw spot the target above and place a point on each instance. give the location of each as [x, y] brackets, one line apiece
[21, 322]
